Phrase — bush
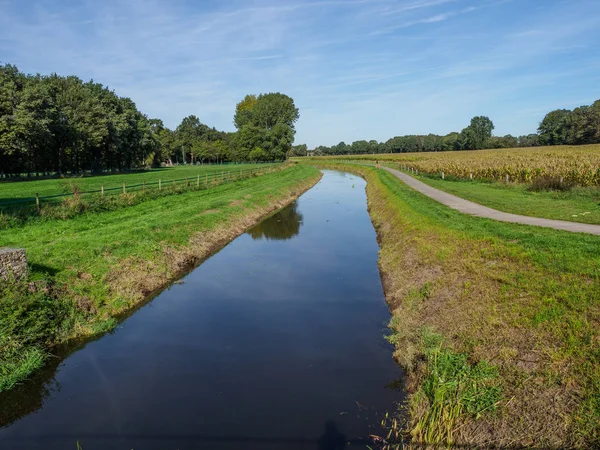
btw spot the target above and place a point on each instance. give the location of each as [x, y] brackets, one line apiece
[550, 183]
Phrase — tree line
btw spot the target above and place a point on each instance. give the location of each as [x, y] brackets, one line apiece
[579, 126]
[559, 127]
[57, 124]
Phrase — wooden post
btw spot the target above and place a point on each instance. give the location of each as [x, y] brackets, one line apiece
[443, 176]
[37, 201]
[102, 190]
[471, 175]
[124, 188]
[159, 184]
[506, 178]
[198, 180]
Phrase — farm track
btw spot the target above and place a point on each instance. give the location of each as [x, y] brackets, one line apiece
[475, 209]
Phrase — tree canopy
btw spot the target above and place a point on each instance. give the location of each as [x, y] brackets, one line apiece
[265, 127]
[63, 124]
[563, 126]
[478, 133]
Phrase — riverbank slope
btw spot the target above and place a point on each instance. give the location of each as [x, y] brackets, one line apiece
[495, 323]
[88, 270]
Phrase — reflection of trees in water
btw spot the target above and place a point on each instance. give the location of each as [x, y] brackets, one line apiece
[332, 439]
[283, 225]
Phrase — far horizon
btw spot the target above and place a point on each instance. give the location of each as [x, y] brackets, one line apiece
[356, 70]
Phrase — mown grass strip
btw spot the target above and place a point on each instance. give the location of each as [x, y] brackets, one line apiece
[11, 190]
[580, 204]
[73, 205]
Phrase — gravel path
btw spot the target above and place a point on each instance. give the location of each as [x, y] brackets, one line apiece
[475, 209]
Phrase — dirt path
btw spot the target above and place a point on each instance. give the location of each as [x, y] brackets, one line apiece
[475, 209]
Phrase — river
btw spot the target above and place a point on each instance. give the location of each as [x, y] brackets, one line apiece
[274, 342]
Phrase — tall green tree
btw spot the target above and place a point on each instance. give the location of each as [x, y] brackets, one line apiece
[553, 128]
[265, 127]
[479, 132]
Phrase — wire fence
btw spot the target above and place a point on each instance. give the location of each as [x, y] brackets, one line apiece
[205, 180]
[49, 175]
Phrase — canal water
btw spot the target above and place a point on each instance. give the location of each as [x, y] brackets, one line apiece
[275, 342]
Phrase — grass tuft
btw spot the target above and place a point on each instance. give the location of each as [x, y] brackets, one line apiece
[16, 369]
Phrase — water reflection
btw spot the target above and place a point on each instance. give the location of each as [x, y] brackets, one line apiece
[283, 225]
[332, 439]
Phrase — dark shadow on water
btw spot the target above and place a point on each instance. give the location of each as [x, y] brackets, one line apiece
[332, 439]
[285, 224]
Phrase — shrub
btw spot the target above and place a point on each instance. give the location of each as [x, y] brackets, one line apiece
[550, 183]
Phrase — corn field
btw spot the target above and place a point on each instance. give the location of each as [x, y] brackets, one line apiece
[578, 165]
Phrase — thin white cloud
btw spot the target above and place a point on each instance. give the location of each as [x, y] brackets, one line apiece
[359, 70]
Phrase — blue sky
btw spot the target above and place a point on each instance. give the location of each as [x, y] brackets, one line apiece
[357, 69]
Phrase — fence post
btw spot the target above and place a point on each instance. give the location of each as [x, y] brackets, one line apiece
[37, 201]
[144, 188]
[198, 180]
[159, 184]
[471, 175]
[102, 190]
[443, 176]
[124, 189]
[507, 178]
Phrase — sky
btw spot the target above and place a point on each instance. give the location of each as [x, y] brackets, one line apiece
[356, 69]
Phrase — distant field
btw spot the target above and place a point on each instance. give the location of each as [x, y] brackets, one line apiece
[579, 165]
[26, 189]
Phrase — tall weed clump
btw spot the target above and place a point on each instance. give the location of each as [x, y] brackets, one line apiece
[29, 320]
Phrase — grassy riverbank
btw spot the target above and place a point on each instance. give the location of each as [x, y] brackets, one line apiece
[89, 269]
[495, 323]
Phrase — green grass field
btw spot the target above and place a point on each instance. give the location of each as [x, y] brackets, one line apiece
[95, 266]
[581, 204]
[495, 323]
[27, 189]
